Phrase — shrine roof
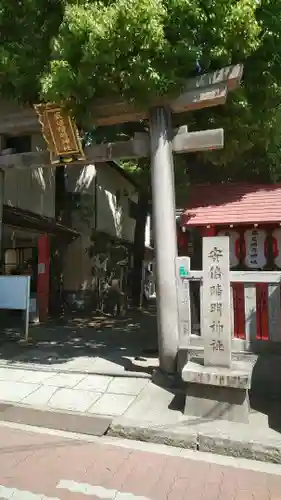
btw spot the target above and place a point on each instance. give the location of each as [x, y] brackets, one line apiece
[232, 203]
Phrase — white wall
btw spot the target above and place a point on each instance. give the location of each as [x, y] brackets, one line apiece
[33, 189]
[80, 180]
[110, 218]
[147, 240]
[77, 265]
[113, 218]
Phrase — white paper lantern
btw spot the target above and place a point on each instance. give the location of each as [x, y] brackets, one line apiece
[234, 237]
[255, 248]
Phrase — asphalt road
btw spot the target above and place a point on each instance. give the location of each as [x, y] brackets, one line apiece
[37, 464]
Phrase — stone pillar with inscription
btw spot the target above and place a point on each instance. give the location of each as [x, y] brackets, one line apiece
[216, 324]
[217, 387]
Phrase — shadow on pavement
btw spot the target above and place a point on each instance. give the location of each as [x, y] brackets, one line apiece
[128, 343]
[118, 340]
[265, 394]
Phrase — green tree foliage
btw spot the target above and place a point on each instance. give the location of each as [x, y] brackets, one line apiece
[252, 116]
[73, 51]
[27, 30]
[79, 50]
[142, 48]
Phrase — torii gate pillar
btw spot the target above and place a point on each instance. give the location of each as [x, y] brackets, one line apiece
[164, 227]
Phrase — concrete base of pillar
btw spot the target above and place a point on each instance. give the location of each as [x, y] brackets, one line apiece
[217, 393]
[210, 402]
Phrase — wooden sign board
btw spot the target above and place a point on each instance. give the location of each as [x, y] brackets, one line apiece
[60, 133]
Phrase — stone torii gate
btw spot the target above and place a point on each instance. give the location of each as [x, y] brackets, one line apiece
[204, 91]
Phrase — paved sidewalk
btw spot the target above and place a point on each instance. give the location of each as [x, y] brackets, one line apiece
[93, 394]
[136, 408]
[95, 377]
[101, 344]
[58, 466]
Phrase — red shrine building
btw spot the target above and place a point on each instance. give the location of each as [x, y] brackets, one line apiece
[250, 214]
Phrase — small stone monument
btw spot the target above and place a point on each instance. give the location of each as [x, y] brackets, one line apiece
[217, 387]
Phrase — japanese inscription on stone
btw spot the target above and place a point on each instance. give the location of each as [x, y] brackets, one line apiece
[183, 291]
[216, 302]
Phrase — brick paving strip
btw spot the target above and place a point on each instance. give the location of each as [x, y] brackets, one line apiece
[36, 464]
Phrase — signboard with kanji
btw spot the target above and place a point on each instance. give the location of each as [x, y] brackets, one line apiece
[60, 133]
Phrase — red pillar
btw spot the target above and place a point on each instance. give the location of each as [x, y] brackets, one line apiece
[43, 277]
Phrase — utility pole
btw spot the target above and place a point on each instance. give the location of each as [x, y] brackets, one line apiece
[164, 226]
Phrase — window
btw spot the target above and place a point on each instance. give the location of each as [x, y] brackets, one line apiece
[19, 144]
[11, 261]
[17, 259]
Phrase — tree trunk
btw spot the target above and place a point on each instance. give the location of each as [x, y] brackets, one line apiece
[139, 246]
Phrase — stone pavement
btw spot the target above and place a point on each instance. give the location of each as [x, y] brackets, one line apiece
[94, 376]
[136, 408]
[93, 394]
[101, 344]
[44, 465]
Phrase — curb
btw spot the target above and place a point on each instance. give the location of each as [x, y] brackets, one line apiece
[89, 424]
[184, 438]
[233, 444]
[263, 450]
[237, 441]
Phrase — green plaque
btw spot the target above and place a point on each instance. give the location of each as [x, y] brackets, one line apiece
[183, 272]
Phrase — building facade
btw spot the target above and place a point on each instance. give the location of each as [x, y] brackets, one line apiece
[95, 242]
[104, 203]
